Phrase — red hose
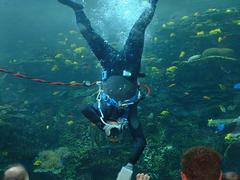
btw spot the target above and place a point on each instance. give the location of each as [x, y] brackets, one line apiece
[84, 83]
[18, 75]
[147, 88]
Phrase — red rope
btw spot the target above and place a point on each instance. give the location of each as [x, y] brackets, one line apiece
[84, 83]
[18, 75]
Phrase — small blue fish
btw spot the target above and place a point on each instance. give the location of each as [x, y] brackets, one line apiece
[220, 128]
[236, 86]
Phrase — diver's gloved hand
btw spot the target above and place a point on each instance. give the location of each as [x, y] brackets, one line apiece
[107, 129]
[142, 177]
[126, 172]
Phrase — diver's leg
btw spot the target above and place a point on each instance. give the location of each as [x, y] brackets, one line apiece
[102, 50]
[98, 45]
[133, 47]
[138, 136]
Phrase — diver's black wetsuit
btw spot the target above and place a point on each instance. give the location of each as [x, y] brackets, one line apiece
[115, 62]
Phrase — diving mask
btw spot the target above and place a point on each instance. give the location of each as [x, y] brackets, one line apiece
[114, 128]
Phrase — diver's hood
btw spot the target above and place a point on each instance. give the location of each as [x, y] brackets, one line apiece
[120, 88]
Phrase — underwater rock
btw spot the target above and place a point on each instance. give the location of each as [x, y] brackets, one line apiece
[210, 68]
[223, 52]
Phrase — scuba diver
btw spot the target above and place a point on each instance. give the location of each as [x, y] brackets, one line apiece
[230, 129]
[119, 94]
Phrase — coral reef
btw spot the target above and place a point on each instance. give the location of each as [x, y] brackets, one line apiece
[51, 160]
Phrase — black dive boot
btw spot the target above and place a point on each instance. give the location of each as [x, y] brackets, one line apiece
[72, 4]
[81, 18]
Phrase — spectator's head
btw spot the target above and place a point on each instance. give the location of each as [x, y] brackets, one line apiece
[231, 176]
[16, 172]
[201, 163]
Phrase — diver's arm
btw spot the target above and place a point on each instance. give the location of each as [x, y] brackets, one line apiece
[101, 49]
[137, 134]
[140, 143]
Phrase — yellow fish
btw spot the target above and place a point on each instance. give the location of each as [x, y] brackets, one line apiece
[165, 113]
[210, 122]
[98, 66]
[59, 56]
[171, 85]
[229, 11]
[222, 108]
[155, 69]
[237, 22]
[182, 54]
[75, 63]
[171, 69]
[172, 35]
[200, 33]
[184, 17]
[72, 32]
[55, 68]
[222, 87]
[212, 10]
[73, 82]
[170, 23]
[215, 31]
[70, 122]
[196, 14]
[164, 26]
[68, 62]
[206, 97]
[155, 39]
[55, 93]
[228, 137]
[220, 39]
[37, 163]
[80, 50]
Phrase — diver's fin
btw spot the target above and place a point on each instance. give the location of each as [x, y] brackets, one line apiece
[71, 3]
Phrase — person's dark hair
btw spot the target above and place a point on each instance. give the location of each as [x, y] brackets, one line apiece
[201, 163]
